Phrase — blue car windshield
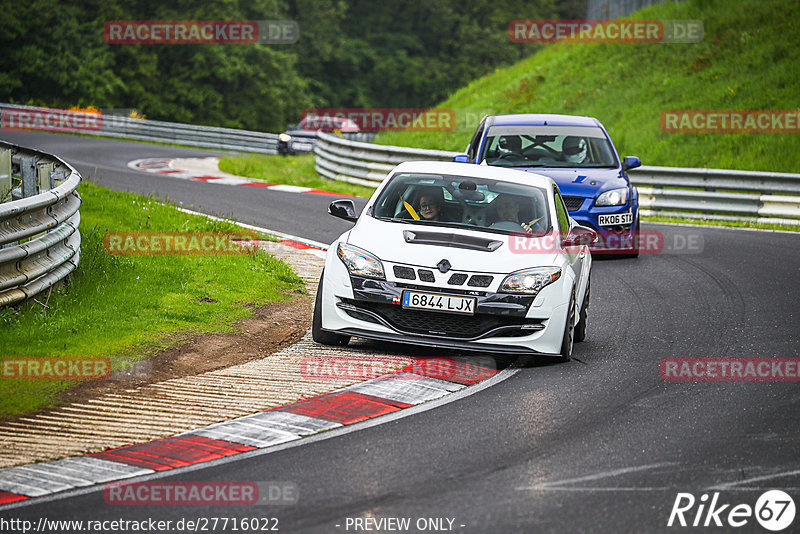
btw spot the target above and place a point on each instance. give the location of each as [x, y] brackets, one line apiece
[548, 146]
[464, 202]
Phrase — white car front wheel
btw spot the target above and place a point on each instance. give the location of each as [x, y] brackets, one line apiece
[569, 331]
[580, 328]
[317, 333]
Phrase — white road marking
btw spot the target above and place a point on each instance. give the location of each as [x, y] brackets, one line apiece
[557, 484]
[728, 485]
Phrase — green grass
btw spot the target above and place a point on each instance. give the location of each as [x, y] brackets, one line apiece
[749, 59]
[128, 307]
[291, 170]
[729, 224]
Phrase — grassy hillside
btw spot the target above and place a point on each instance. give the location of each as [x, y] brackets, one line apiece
[749, 59]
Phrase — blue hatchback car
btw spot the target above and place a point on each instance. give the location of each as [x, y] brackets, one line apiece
[577, 153]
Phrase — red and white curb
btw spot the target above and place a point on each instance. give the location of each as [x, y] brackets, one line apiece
[422, 381]
[203, 170]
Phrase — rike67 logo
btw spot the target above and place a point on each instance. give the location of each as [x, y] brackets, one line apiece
[774, 510]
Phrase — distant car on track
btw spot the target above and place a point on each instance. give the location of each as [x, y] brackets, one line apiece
[578, 154]
[301, 138]
[458, 256]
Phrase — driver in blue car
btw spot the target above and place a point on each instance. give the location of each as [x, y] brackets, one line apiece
[574, 149]
[509, 145]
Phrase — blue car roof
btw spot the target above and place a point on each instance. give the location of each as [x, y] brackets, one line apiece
[541, 119]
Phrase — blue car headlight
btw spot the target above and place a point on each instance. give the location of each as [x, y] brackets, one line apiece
[530, 281]
[359, 261]
[614, 197]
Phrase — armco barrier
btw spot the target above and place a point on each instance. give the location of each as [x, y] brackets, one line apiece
[39, 237]
[167, 132]
[365, 163]
[668, 191]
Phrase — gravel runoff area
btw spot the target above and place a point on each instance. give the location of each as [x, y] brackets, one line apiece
[163, 409]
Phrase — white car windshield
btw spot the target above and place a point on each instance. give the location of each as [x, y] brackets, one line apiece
[547, 146]
[464, 202]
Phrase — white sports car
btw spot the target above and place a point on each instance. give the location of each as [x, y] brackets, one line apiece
[458, 256]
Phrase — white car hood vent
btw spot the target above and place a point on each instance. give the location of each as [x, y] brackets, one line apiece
[443, 239]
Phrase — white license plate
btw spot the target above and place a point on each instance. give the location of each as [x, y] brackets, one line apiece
[438, 302]
[615, 219]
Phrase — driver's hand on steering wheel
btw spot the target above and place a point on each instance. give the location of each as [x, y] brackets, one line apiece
[528, 226]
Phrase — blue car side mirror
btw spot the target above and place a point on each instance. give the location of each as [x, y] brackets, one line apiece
[630, 162]
[461, 158]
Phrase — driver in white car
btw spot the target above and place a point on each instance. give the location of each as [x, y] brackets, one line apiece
[508, 207]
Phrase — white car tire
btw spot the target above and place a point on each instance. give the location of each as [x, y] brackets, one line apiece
[568, 339]
[580, 328]
[317, 333]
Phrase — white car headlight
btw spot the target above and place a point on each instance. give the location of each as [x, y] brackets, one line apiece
[284, 137]
[530, 281]
[615, 197]
[359, 261]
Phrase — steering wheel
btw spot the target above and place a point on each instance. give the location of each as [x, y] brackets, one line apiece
[534, 154]
[537, 224]
[511, 226]
[508, 226]
[511, 155]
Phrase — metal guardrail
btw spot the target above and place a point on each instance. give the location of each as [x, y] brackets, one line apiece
[39, 218]
[669, 191]
[169, 132]
[719, 194]
[365, 163]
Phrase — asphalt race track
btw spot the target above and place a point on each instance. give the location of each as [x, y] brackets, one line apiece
[601, 444]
